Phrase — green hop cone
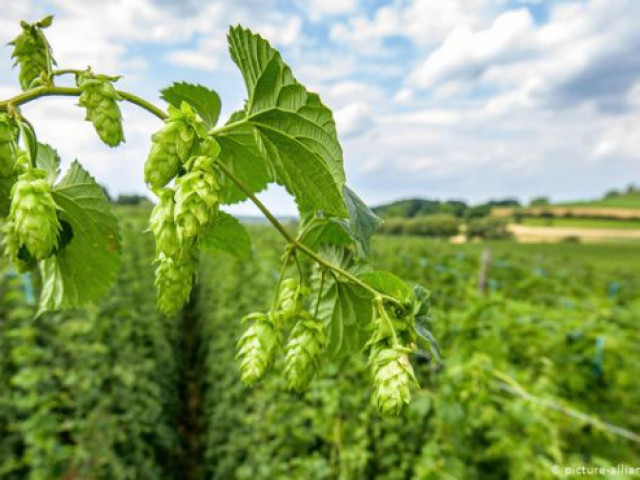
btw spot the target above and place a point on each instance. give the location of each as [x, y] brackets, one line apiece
[163, 225]
[392, 378]
[32, 52]
[33, 214]
[173, 145]
[174, 280]
[8, 145]
[197, 198]
[303, 351]
[100, 98]
[290, 298]
[12, 248]
[257, 347]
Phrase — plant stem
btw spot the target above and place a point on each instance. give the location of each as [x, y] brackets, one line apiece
[35, 93]
[300, 246]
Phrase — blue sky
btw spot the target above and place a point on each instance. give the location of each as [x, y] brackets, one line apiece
[469, 99]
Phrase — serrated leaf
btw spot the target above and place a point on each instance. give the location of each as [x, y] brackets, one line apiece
[345, 309]
[240, 153]
[206, 102]
[389, 284]
[320, 231]
[228, 235]
[422, 315]
[362, 220]
[296, 131]
[85, 268]
[48, 160]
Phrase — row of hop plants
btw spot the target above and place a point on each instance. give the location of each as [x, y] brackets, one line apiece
[91, 393]
[531, 378]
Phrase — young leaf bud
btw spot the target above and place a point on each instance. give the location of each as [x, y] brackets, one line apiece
[303, 351]
[100, 99]
[257, 347]
[32, 52]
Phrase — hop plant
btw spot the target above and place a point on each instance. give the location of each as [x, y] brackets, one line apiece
[196, 198]
[173, 145]
[257, 347]
[8, 145]
[100, 98]
[32, 52]
[174, 280]
[163, 225]
[33, 214]
[303, 351]
[392, 378]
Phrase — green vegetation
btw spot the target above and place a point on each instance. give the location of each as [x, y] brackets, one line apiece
[121, 392]
[623, 200]
[572, 222]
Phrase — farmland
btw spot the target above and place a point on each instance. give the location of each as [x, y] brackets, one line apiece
[538, 370]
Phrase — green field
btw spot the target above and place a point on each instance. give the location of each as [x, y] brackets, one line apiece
[581, 223]
[531, 369]
[628, 200]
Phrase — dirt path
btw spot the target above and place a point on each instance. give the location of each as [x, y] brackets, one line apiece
[526, 233]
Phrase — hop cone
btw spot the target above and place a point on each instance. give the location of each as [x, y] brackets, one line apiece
[290, 297]
[163, 226]
[8, 145]
[196, 198]
[392, 378]
[172, 146]
[303, 352]
[100, 99]
[11, 246]
[256, 348]
[33, 214]
[174, 280]
[32, 52]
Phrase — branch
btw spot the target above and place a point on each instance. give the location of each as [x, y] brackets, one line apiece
[38, 92]
[50, 91]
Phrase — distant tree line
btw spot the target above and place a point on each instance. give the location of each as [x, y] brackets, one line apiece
[417, 207]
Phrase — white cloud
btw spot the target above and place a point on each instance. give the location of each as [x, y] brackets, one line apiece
[353, 119]
[318, 9]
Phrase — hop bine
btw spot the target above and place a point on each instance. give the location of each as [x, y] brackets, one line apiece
[8, 145]
[33, 215]
[173, 145]
[32, 52]
[303, 351]
[257, 347]
[196, 198]
[100, 99]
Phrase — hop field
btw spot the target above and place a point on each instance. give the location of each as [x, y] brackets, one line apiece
[538, 370]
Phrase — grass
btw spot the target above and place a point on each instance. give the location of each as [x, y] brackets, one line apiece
[582, 223]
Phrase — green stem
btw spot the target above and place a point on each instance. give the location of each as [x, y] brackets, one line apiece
[35, 93]
[298, 245]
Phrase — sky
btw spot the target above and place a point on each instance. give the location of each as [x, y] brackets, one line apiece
[455, 99]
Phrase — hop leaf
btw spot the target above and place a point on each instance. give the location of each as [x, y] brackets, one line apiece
[392, 378]
[172, 145]
[100, 99]
[303, 351]
[196, 199]
[8, 145]
[174, 280]
[33, 214]
[163, 225]
[257, 347]
[32, 52]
